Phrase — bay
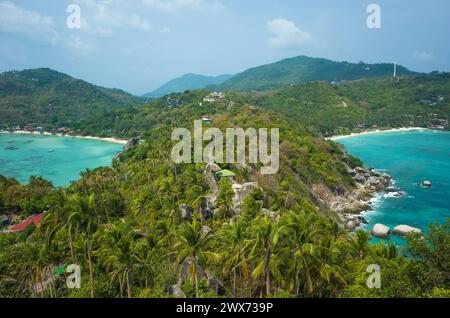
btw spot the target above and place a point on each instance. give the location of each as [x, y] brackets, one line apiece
[58, 159]
[410, 158]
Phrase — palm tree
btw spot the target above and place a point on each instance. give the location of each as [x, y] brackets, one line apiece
[146, 256]
[359, 244]
[192, 244]
[266, 235]
[303, 231]
[116, 252]
[56, 220]
[84, 217]
[233, 247]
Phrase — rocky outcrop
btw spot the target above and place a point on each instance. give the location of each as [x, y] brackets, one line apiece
[176, 291]
[209, 175]
[380, 230]
[133, 142]
[404, 230]
[214, 284]
[274, 216]
[347, 204]
[205, 230]
[186, 212]
[241, 191]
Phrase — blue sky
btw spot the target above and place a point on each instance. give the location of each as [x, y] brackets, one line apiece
[137, 45]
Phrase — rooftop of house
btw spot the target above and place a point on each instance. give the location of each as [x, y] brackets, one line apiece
[225, 173]
[34, 220]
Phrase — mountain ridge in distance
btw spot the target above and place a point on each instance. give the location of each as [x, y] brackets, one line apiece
[303, 69]
[188, 81]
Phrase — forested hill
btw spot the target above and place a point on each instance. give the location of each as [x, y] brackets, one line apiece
[352, 106]
[47, 98]
[303, 69]
[323, 108]
[148, 227]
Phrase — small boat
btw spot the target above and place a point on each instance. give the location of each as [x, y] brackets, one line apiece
[52, 150]
[11, 148]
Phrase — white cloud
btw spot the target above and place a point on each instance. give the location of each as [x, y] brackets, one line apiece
[77, 44]
[286, 34]
[163, 30]
[423, 56]
[174, 5]
[140, 24]
[105, 18]
[14, 19]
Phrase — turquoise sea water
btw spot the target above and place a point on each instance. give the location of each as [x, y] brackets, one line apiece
[57, 159]
[409, 157]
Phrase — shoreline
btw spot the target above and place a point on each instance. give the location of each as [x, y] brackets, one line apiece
[377, 131]
[106, 139]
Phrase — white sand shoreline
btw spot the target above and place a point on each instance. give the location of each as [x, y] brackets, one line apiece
[377, 131]
[22, 132]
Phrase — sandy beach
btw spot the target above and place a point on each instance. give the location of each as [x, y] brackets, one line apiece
[377, 131]
[115, 140]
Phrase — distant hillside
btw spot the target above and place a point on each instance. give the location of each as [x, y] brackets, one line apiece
[352, 106]
[303, 69]
[185, 82]
[51, 99]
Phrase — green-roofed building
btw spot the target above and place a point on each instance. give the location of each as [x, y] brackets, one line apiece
[225, 174]
[59, 270]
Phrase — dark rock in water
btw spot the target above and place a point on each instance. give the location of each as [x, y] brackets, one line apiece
[381, 230]
[404, 230]
[391, 190]
[427, 184]
[11, 148]
[362, 220]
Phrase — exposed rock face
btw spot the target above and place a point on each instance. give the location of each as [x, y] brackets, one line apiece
[234, 220]
[380, 230]
[212, 167]
[214, 284]
[347, 204]
[274, 216]
[176, 291]
[241, 192]
[186, 212]
[210, 179]
[206, 230]
[404, 230]
[350, 225]
[133, 142]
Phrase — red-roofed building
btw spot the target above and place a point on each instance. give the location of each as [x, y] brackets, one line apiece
[206, 118]
[34, 220]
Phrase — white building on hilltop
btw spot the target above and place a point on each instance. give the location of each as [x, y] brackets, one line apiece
[214, 97]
